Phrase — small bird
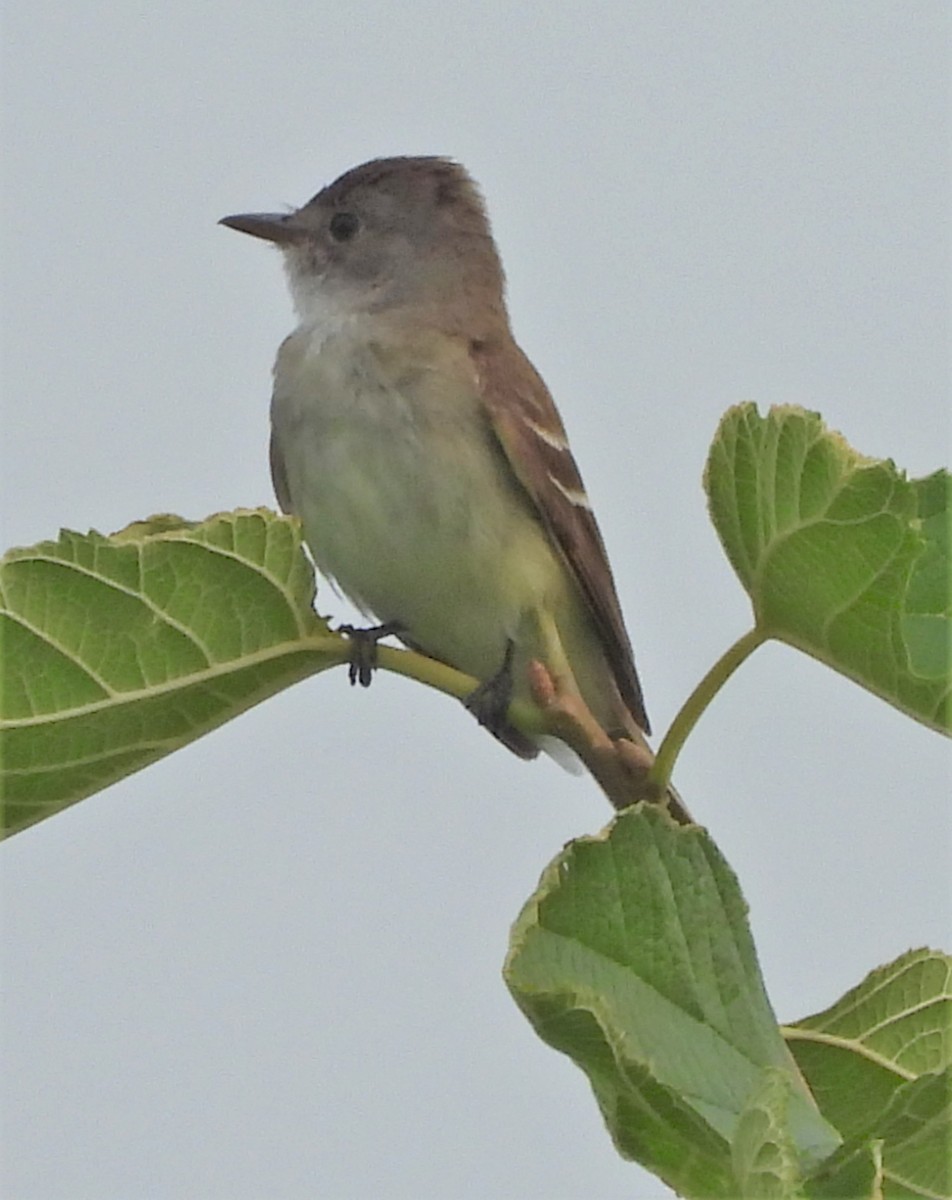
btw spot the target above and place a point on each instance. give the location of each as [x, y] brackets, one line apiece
[423, 453]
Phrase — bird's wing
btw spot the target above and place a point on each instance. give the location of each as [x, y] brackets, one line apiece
[289, 355]
[527, 424]
[279, 475]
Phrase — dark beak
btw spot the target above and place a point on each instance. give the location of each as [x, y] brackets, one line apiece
[273, 227]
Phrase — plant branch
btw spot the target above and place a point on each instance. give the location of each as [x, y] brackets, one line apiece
[619, 766]
[697, 702]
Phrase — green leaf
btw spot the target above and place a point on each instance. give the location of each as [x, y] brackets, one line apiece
[856, 1174]
[917, 1138]
[842, 556]
[765, 1159]
[927, 608]
[120, 649]
[893, 1027]
[634, 957]
[878, 1064]
[915, 1134]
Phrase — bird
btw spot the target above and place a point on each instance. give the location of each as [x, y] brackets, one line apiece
[424, 454]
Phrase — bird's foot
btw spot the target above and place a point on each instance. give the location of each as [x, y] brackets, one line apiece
[489, 703]
[363, 649]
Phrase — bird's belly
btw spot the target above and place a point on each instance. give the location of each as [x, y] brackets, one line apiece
[423, 525]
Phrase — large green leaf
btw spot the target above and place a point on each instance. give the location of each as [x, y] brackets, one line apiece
[854, 1174]
[878, 1063]
[118, 649]
[634, 957]
[766, 1164]
[842, 556]
[913, 1138]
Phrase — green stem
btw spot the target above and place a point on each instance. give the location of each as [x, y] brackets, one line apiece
[697, 702]
[334, 650]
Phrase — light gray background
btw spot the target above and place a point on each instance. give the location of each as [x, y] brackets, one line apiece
[269, 965]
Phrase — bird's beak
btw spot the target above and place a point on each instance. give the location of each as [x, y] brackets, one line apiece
[273, 227]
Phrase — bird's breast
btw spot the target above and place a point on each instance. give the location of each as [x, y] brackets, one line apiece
[405, 495]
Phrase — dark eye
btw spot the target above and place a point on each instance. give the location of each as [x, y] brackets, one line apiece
[343, 226]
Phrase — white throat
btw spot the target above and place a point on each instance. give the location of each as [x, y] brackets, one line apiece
[324, 311]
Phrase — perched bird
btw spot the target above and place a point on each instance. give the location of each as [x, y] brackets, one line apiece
[423, 452]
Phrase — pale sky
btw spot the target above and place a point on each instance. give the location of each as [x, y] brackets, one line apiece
[269, 966]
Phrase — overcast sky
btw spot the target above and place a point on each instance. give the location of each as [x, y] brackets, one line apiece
[269, 965]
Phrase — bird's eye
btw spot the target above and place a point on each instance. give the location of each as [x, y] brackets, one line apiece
[343, 226]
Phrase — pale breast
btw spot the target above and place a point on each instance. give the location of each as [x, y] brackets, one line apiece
[405, 496]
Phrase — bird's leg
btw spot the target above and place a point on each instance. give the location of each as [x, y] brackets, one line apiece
[363, 649]
[489, 703]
